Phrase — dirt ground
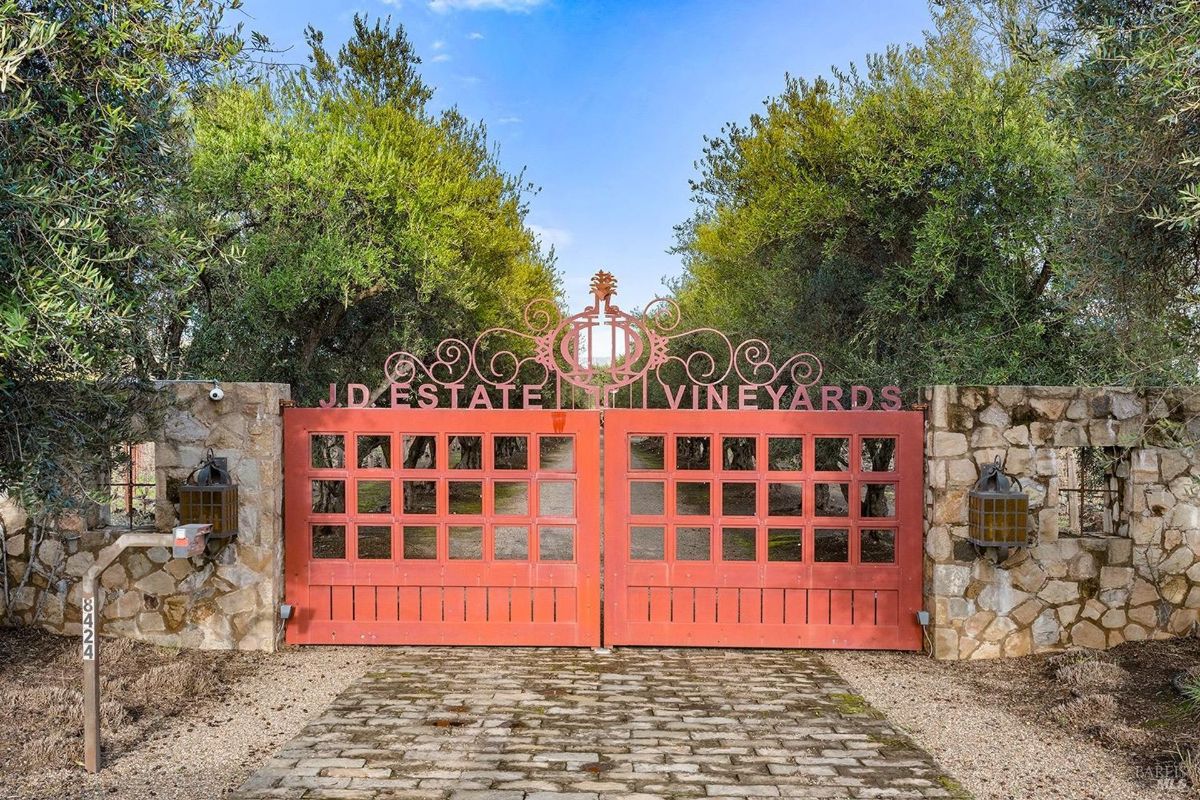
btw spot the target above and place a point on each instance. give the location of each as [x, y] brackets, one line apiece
[1069, 725]
[175, 723]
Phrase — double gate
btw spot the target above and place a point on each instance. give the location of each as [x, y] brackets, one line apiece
[738, 528]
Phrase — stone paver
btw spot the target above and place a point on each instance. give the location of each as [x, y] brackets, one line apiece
[560, 724]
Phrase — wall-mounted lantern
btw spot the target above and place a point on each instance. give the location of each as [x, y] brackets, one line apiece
[999, 510]
[209, 496]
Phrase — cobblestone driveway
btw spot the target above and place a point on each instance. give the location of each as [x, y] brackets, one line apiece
[539, 724]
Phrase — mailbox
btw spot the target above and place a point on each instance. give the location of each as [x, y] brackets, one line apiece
[189, 540]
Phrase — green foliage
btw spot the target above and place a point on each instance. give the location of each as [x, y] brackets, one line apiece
[930, 219]
[358, 223]
[92, 151]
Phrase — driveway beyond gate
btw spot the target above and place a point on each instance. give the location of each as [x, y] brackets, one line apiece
[513, 724]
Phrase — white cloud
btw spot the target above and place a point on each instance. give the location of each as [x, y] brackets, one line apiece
[510, 120]
[476, 35]
[559, 238]
[512, 6]
[439, 44]
[441, 57]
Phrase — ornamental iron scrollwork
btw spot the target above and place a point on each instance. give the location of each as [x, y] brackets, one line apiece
[602, 352]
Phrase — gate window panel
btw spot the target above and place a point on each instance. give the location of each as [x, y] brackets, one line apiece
[647, 543]
[831, 545]
[465, 452]
[738, 544]
[510, 498]
[556, 498]
[647, 452]
[465, 497]
[785, 499]
[877, 500]
[877, 546]
[374, 497]
[556, 453]
[739, 499]
[831, 499]
[647, 498]
[556, 543]
[831, 453]
[328, 497]
[785, 544]
[374, 451]
[466, 542]
[328, 451]
[374, 542]
[419, 451]
[878, 454]
[693, 498]
[420, 542]
[693, 543]
[420, 497]
[328, 541]
[511, 543]
[739, 453]
[785, 453]
[510, 452]
[693, 452]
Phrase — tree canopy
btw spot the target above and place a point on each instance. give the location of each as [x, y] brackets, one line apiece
[923, 220]
[93, 152]
[358, 222]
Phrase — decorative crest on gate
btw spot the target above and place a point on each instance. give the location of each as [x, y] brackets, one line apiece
[611, 357]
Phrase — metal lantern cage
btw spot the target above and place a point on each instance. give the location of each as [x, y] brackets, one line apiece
[999, 510]
[210, 496]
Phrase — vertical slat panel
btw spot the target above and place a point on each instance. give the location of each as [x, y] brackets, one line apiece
[795, 606]
[498, 601]
[454, 604]
[410, 603]
[385, 604]
[431, 604]
[887, 608]
[818, 606]
[682, 609]
[840, 610]
[864, 607]
[364, 604]
[637, 604]
[566, 604]
[321, 599]
[706, 605]
[343, 603]
[543, 604]
[477, 604]
[750, 606]
[521, 601]
[727, 606]
[772, 606]
[660, 604]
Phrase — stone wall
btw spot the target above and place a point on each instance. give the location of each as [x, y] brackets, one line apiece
[226, 600]
[1140, 581]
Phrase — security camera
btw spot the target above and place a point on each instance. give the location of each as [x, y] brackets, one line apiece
[216, 393]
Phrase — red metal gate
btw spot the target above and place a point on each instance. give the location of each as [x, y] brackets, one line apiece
[447, 526]
[763, 528]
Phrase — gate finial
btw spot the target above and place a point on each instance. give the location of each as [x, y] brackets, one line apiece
[604, 285]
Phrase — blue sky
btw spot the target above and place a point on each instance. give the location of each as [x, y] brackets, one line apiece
[605, 104]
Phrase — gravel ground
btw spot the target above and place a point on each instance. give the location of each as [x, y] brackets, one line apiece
[208, 753]
[994, 753]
